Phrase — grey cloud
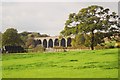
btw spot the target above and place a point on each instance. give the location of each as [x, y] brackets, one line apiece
[43, 17]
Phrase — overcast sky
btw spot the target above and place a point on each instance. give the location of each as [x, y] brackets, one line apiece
[43, 17]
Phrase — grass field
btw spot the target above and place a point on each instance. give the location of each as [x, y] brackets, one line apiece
[74, 64]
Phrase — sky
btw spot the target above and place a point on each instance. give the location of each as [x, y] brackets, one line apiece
[43, 17]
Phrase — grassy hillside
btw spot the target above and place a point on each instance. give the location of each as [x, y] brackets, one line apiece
[76, 64]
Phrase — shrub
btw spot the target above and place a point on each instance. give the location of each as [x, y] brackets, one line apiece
[110, 44]
[99, 47]
[13, 49]
[117, 44]
[58, 47]
[39, 48]
[79, 47]
[83, 47]
[31, 46]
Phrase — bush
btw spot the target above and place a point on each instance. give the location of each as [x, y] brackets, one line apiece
[13, 49]
[110, 44]
[39, 48]
[71, 47]
[58, 47]
[79, 47]
[31, 46]
[83, 47]
[99, 47]
[117, 44]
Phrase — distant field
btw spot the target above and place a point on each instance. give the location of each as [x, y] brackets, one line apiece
[75, 64]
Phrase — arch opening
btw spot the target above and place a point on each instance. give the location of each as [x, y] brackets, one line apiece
[45, 43]
[63, 42]
[50, 43]
[69, 40]
[56, 42]
[38, 42]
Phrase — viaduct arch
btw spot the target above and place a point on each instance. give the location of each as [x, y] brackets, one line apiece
[50, 42]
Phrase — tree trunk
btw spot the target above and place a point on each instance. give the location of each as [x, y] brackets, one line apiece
[92, 40]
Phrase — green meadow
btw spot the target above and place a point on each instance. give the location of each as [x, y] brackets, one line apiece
[71, 64]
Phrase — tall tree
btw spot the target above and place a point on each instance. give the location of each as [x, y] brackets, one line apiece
[90, 20]
[11, 38]
[30, 43]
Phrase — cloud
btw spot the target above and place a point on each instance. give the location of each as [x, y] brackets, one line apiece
[60, 0]
[43, 17]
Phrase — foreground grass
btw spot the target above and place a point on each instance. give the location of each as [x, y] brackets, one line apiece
[76, 64]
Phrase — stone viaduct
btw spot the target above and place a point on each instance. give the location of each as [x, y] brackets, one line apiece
[52, 41]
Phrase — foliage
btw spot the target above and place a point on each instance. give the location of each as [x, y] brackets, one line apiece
[90, 19]
[30, 43]
[98, 38]
[11, 38]
[79, 40]
[28, 38]
[110, 44]
[58, 47]
[39, 48]
[34, 34]
[73, 43]
[24, 36]
[44, 35]
[87, 40]
[117, 44]
[84, 39]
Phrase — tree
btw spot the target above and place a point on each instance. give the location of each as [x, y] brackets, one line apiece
[30, 42]
[99, 38]
[87, 40]
[73, 43]
[78, 40]
[90, 20]
[24, 37]
[28, 38]
[11, 38]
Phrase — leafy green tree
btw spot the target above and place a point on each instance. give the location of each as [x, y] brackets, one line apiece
[11, 38]
[39, 48]
[28, 38]
[73, 43]
[80, 39]
[90, 20]
[30, 43]
[99, 38]
[24, 37]
[87, 40]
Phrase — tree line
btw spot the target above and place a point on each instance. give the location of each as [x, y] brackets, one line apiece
[11, 37]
